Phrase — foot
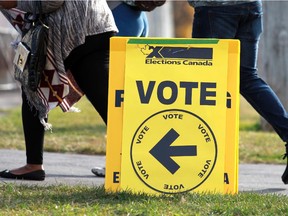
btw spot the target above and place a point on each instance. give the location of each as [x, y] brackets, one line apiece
[27, 169]
[27, 172]
[285, 174]
[98, 171]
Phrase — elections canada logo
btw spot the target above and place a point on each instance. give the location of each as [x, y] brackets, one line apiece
[173, 151]
[166, 55]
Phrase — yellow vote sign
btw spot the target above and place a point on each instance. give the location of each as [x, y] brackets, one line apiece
[171, 134]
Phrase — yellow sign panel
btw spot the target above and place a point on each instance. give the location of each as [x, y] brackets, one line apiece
[172, 134]
[115, 113]
[232, 120]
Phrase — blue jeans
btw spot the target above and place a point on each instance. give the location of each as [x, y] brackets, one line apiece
[130, 22]
[244, 22]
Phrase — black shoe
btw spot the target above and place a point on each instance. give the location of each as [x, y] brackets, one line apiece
[38, 175]
[285, 174]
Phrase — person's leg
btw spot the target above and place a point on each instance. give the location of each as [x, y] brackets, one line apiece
[91, 72]
[90, 68]
[244, 22]
[130, 22]
[256, 91]
[34, 139]
[215, 22]
[33, 133]
[246, 25]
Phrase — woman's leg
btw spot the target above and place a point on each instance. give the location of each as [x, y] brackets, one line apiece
[91, 71]
[34, 139]
[33, 133]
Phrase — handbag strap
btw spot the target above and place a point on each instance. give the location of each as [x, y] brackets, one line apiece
[37, 7]
[40, 17]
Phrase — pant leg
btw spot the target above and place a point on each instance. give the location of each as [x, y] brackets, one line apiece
[244, 22]
[91, 72]
[215, 22]
[254, 89]
[33, 133]
[130, 22]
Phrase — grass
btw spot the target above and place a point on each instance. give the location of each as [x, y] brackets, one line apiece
[256, 146]
[64, 200]
[85, 132]
[82, 133]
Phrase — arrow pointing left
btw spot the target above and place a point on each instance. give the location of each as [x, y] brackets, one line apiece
[163, 151]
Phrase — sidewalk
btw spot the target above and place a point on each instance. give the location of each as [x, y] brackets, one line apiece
[67, 169]
[10, 98]
[75, 169]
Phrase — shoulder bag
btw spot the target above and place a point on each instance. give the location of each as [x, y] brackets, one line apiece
[31, 52]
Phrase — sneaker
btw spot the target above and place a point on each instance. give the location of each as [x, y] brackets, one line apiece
[98, 171]
[285, 174]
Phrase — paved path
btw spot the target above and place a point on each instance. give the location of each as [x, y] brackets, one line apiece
[10, 98]
[70, 169]
[75, 169]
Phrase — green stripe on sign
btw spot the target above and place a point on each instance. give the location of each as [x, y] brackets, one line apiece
[172, 41]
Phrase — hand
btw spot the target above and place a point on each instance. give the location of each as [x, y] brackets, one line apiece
[8, 4]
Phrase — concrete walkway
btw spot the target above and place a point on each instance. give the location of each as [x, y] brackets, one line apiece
[10, 98]
[75, 169]
[68, 169]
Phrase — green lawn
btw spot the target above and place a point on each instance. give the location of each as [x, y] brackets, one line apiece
[85, 133]
[64, 200]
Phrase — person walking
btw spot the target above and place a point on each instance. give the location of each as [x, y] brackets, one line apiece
[242, 20]
[78, 45]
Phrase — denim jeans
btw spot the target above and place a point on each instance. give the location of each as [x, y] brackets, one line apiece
[244, 22]
[130, 22]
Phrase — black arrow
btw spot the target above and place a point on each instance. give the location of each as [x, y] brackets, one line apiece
[163, 151]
